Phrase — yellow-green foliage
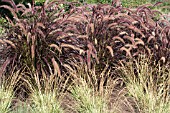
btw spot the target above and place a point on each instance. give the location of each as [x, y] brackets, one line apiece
[148, 84]
[7, 85]
[2, 23]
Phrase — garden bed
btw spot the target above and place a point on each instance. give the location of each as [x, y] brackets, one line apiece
[84, 58]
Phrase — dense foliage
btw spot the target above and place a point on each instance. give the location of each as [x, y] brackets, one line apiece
[47, 36]
[84, 57]
[37, 39]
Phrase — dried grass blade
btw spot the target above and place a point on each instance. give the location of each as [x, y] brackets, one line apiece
[118, 38]
[32, 51]
[123, 33]
[136, 30]
[48, 65]
[10, 9]
[148, 50]
[131, 46]
[92, 27]
[150, 38]
[40, 25]
[10, 42]
[73, 47]
[69, 67]
[3, 67]
[131, 39]
[22, 6]
[11, 2]
[93, 51]
[43, 72]
[40, 32]
[55, 46]
[56, 67]
[126, 50]
[151, 22]
[110, 50]
[89, 59]
[28, 37]
[10, 21]
[139, 41]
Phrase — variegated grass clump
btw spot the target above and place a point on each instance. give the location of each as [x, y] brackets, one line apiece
[22, 107]
[7, 91]
[45, 103]
[92, 92]
[46, 93]
[6, 96]
[149, 84]
[87, 101]
[85, 94]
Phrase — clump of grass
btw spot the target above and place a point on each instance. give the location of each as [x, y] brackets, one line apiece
[87, 93]
[45, 103]
[36, 36]
[148, 84]
[47, 38]
[94, 92]
[7, 85]
[87, 100]
[22, 107]
[6, 97]
[46, 93]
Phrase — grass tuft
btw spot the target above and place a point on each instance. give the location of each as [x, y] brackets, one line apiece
[148, 84]
[7, 91]
[87, 101]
